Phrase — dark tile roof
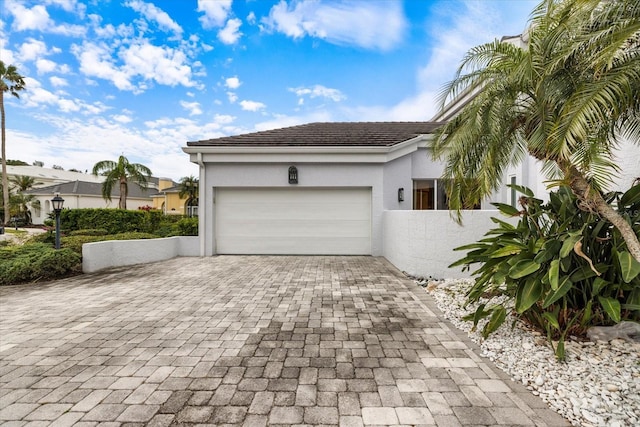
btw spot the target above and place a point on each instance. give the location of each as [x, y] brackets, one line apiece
[90, 189]
[366, 134]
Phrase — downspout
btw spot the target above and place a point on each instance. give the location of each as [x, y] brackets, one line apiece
[201, 194]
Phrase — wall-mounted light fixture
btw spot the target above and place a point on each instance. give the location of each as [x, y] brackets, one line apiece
[293, 175]
[401, 194]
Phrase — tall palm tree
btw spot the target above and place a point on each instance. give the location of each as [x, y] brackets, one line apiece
[566, 99]
[12, 82]
[189, 189]
[121, 172]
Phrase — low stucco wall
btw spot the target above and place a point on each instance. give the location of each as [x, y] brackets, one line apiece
[421, 243]
[117, 253]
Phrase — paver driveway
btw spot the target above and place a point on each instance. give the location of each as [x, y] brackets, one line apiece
[246, 340]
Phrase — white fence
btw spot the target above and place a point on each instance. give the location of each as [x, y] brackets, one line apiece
[117, 253]
[421, 243]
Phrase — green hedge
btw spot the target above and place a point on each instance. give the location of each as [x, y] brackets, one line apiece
[36, 261]
[75, 242]
[115, 221]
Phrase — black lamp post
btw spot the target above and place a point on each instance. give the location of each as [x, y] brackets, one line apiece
[57, 203]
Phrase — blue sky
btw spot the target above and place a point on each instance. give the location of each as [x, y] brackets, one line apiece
[141, 78]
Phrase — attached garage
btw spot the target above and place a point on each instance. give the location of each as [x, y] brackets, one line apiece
[286, 220]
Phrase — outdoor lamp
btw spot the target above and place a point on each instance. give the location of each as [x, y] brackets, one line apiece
[57, 202]
[401, 194]
[293, 175]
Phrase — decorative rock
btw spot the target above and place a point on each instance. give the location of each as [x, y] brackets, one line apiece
[598, 385]
[628, 331]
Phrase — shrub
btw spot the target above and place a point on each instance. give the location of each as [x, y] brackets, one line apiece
[187, 227]
[563, 268]
[35, 261]
[89, 232]
[114, 221]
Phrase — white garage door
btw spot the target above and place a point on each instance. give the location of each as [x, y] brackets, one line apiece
[305, 221]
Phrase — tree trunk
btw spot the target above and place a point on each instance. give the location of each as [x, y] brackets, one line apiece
[5, 178]
[123, 194]
[582, 189]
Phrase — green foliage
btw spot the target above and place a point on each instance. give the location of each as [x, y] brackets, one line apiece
[35, 261]
[89, 232]
[563, 268]
[187, 227]
[112, 220]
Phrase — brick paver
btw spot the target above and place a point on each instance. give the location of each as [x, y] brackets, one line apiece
[246, 340]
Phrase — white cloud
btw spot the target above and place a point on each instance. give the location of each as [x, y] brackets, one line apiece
[45, 66]
[96, 61]
[223, 119]
[7, 56]
[319, 91]
[37, 18]
[252, 105]
[192, 107]
[376, 25]
[32, 49]
[215, 12]
[153, 13]
[232, 97]
[232, 82]
[122, 118]
[58, 81]
[37, 96]
[230, 34]
[251, 18]
[164, 65]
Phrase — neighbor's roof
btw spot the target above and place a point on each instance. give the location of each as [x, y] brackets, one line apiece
[91, 189]
[376, 134]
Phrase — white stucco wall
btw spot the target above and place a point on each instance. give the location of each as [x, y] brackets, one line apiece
[421, 243]
[117, 253]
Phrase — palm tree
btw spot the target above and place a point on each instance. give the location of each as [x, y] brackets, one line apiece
[121, 172]
[12, 82]
[189, 189]
[565, 99]
[23, 183]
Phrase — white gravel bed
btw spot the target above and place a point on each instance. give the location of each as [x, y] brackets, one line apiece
[597, 385]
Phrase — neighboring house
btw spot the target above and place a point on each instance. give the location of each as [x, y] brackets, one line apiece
[48, 176]
[82, 194]
[168, 199]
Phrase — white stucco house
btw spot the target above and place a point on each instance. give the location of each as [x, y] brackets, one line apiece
[360, 188]
[364, 188]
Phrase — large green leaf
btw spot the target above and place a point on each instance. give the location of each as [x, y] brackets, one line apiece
[629, 267]
[528, 294]
[548, 251]
[506, 251]
[552, 297]
[612, 307]
[551, 318]
[569, 243]
[497, 319]
[631, 197]
[508, 210]
[523, 268]
[554, 274]
[598, 285]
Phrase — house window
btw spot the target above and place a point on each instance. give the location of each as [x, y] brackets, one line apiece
[431, 194]
[424, 194]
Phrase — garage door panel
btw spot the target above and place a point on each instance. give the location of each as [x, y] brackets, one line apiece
[304, 246]
[276, 228]
[293, 221]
